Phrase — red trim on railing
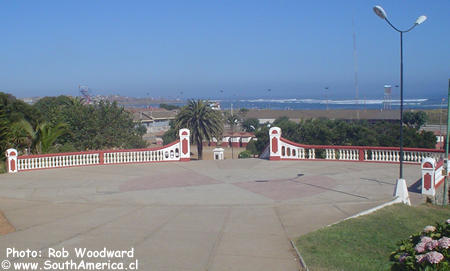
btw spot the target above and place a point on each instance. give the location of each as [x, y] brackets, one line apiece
[356, 147]
[96, 152]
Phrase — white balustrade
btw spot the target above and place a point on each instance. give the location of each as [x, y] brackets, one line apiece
[28, 163]
[172, 152]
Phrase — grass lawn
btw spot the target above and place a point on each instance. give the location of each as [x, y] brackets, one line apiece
[365, 243]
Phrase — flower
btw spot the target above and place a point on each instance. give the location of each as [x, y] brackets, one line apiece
[420, 247]
[444, 242]
[448, 221]
[432, 244]
[420, 258]
[429, 229]
[403, 257]
[434, 257]
[425, 239]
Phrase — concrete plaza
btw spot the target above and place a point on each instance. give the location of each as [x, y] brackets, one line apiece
[198, 215]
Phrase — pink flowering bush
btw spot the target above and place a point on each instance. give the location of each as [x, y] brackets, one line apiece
[427, 250]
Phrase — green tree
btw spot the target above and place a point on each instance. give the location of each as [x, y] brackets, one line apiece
[232, 120]
[99, 126]
[52, 108]
[250, 125]
[203, 122]
[169, 106]
[4, 132]
[17, 110]
[252, 148]
[21, 135]
[46, 136]
[415, 119]
[263, 138]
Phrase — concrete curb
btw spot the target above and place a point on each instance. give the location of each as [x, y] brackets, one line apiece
[302, 262]
[369, 211]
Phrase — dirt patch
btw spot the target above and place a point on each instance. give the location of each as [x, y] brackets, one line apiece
[5, 226]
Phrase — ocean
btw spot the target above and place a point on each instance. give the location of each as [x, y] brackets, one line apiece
[323, 104]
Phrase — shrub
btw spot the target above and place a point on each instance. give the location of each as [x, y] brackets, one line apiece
[427, 250]
[245, 154]
[251, 147]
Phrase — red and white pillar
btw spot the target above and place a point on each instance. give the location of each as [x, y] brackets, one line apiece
[428, 176]
[11, 160]
[275, 148]
[185, 146]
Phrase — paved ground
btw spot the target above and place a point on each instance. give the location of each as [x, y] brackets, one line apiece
[200, 215]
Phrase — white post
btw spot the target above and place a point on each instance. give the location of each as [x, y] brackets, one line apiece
[275, 148]
[401, 191]
[428, 176]
[185, 146]
[11, 155]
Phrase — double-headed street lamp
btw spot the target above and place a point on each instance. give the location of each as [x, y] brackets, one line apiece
[382, 14]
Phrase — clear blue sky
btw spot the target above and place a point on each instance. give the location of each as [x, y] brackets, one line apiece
[295, 48]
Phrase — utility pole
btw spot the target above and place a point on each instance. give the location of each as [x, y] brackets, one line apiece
[445, 200]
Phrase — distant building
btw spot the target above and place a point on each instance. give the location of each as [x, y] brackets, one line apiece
[214, 105]
[236, 139]
[156, 120]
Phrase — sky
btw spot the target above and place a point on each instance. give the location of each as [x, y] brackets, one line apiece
[219, 49]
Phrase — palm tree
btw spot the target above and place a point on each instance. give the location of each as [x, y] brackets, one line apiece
[232, 120]
[46, 135]
[202, 121]
[21, 135]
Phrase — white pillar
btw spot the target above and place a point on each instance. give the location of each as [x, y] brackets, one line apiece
[275, 146]
[11, 155]
[185, 146]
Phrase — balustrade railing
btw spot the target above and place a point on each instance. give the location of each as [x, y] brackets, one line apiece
[283, 149]
[175, 151]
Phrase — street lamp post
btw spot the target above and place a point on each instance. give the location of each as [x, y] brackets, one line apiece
[383, 15]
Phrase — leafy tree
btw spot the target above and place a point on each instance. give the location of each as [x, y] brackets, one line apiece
[250, 125]
[252, 148]
[232, 120]
[169, 106]
[288, 127]
[4, 132]
[415, 119]
[17, 110]
[203, 122]
[263, 138]
[52, 108]
[170, 136]
[100, 126]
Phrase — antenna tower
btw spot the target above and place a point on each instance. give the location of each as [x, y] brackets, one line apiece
[387, 102]
[355, 62]
[84, 91]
